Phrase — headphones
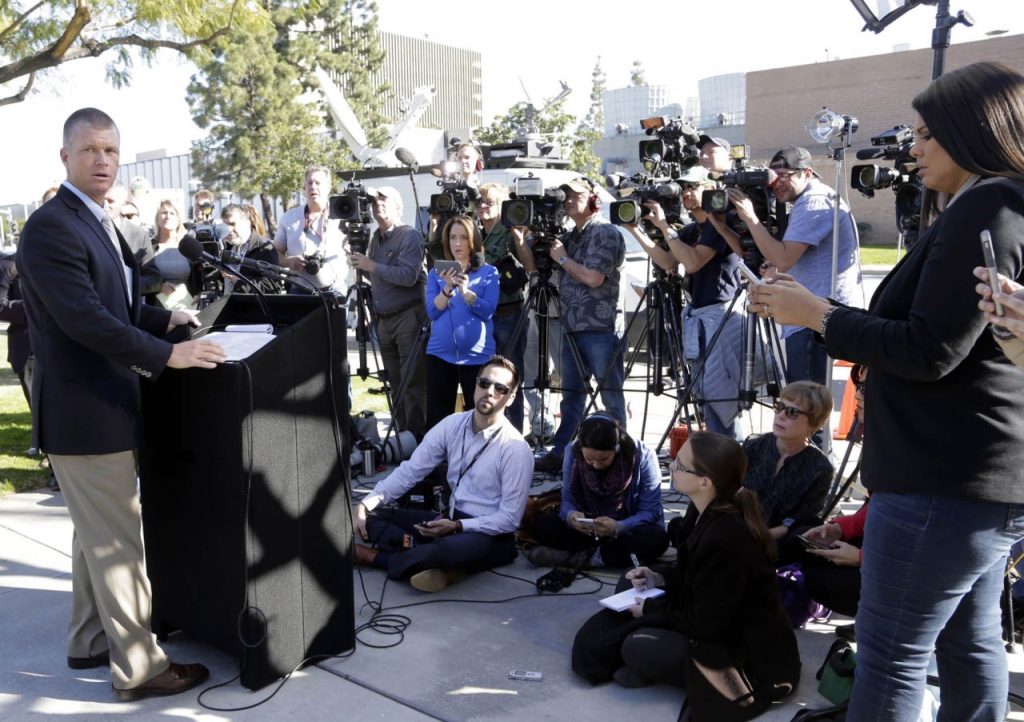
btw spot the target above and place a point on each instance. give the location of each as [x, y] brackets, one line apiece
[594, 202]
[479, 153]
[605, 416]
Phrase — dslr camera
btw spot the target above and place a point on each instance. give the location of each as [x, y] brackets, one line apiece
[540, 209]
[354, 208]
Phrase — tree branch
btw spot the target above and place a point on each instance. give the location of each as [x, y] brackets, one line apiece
[81, 18]
[20, 96]
[9, 30]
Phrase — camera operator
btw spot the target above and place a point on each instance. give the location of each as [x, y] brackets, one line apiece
[470, 162]
[312, 243]
[715, 154]
[394, 265]
[500, 243]
[243, 239]
[805, 251]
[202, 209]
[592, 258]
[711, 265]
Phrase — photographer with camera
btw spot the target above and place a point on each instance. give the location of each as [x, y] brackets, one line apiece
[394, 264]
[715, 154]
[312, 243]
[459, 196]
[244, 241]
[805, 251]
[710, 264]
[505, 249]
[592, 258]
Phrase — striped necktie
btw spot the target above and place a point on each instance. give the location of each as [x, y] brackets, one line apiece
[108, 226]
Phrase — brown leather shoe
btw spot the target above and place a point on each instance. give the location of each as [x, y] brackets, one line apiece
[434, 580]
[365, 555]
[173, 680]
[100, 660]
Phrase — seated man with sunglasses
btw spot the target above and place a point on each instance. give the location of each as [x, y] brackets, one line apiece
[789, 475]
[490, 468]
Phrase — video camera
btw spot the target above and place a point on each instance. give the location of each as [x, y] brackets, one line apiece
[756, 183]
[542, 210]
[893, 145]
[642, 188]
[456, 192]
[674, 148]
[354, 208]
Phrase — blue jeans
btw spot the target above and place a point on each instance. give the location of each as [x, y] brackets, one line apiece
[806, 359]
[597, 349]
[503, 328]
[713, 423]
[931, 580]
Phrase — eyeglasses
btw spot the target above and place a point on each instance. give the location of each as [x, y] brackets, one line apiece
[676, 466]
[689, 186]
[786, 175]
[129, 216]
[485, 202]
[485, 384]
[791, 411]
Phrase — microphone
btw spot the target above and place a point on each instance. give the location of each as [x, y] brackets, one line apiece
[230, 257]
[406, 158]
[870, 153]
[192, 249]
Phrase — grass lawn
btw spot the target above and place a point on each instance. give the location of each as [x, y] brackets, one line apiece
[878, 255]
[17, 471]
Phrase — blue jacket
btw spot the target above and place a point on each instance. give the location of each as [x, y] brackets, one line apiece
[643, 502]
[462, 334]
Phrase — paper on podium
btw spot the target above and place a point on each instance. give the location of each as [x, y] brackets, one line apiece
[624, 600]
[241, 341]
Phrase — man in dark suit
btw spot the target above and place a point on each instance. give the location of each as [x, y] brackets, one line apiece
[135, 236]
[93, 339]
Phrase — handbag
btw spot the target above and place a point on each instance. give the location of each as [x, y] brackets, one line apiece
[511, 275]
[835, 677]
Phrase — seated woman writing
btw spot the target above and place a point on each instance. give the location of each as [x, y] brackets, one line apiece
[720, 630]
[611, 502]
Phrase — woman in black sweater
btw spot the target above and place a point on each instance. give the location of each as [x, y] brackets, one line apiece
[942, 448]
[720, 630]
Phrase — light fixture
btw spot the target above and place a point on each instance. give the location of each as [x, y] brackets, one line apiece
[827, 125]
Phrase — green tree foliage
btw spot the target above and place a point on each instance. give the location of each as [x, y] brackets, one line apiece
[38, 36]
[591, 130]
[257, 95]
[636, 76]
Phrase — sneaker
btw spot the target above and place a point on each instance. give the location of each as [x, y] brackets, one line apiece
[550, 463]
[434, 580]
[542, 556]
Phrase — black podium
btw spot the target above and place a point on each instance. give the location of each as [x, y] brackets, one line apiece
[245, 496]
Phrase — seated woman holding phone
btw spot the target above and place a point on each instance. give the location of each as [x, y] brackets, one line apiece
[462, 294]
[611, 502]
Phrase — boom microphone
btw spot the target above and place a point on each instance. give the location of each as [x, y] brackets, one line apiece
[230, 257]
[406, 158]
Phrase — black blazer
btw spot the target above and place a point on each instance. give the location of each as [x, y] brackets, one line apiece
[945, 408]
[725, 599]
[91, 346]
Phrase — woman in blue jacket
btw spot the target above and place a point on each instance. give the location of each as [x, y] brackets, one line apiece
[460, 304]
[611, 502]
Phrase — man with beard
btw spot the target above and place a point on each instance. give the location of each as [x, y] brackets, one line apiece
[490, 468]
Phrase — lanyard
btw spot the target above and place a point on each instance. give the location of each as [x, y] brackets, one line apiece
[473, 461]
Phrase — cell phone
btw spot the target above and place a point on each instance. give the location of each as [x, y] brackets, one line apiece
[813, 544]
[990, 264]
[748, 274]
[525, 675]
[442, 266]
[581, 520]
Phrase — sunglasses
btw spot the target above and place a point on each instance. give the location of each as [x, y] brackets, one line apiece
[129, 216]
[689, 186]
[861, 386]
[791, 411]
[485, 384]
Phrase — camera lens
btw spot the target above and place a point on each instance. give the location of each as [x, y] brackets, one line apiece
[519, 212]
[625, 213]
[442, 202]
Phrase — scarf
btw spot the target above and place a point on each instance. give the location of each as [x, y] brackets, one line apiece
[601, 493]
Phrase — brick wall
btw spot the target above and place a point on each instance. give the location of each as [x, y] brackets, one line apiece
[877, 90]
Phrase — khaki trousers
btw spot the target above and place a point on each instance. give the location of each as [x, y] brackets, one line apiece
[111, 598]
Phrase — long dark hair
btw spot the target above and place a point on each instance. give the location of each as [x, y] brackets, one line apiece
[976, 113]
[722, 459]
[600, 431]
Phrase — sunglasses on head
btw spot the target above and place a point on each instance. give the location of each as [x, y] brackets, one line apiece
[791, 411]
[485, 384]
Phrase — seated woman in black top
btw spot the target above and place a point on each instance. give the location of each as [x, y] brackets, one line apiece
[614, 483]
[720, 630]
[789, 475]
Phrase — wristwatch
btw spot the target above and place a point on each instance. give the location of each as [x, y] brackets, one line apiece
[563, 259]
[672, 234]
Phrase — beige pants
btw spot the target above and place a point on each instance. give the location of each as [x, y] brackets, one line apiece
[110, 604]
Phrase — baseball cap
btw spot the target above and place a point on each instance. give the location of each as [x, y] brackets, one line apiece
[694, 174]
[388, 192]
[579, 184]
[720, 142]
[793, 157]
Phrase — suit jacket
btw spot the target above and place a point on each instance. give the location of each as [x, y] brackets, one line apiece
[138, 240]
[91, 346]
[742, 652]
[12, 310]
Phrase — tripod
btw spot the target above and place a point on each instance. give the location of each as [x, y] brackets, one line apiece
[540, 298]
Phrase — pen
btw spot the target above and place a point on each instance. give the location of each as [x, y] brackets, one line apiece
[636, 565]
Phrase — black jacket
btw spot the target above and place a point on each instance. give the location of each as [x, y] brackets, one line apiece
[945, 408]
[12, 310]
[725, 599]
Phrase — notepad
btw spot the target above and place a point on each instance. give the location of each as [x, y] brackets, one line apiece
[624, 600]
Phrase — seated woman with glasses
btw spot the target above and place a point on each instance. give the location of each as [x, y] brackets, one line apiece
[719, 631]
[611, 502]
[461, 304]
[789, 475]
